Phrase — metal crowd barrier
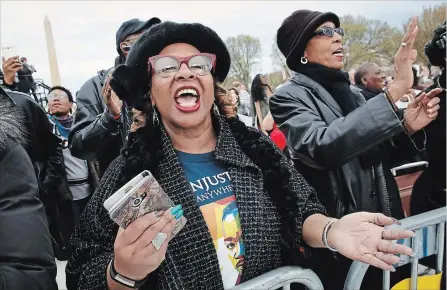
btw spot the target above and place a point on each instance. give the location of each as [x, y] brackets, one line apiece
[423, 244]
[408, 165]
[283, 277]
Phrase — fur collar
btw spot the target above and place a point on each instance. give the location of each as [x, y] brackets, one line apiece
[11, 123]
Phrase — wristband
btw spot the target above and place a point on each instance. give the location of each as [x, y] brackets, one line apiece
[390, 99]
[116, 118]
[326, 229]
[123, 280]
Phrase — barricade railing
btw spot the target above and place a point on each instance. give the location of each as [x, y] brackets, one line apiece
[283, 277]
[429, 240]
[408, 166]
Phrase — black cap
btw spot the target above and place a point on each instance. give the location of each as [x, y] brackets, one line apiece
[132, 80]
[133, 26]
[296, 31]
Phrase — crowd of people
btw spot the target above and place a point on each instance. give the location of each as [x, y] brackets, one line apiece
[302, 171]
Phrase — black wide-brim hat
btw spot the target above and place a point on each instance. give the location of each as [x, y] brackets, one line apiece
[131, 81]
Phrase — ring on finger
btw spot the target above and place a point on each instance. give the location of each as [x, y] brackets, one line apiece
[403, 44]
[159, 240]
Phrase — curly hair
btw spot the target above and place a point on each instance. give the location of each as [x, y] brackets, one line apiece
[143, 155]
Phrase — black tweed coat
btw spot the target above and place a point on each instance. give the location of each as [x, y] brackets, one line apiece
[191, 259]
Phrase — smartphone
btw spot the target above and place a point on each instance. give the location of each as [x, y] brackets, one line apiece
[9, 51]
[142, 195]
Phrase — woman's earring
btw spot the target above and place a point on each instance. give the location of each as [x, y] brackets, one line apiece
[155, 120]
[216, 110]
[303, 60]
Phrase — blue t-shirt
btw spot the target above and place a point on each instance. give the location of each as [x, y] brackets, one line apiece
[211, 185]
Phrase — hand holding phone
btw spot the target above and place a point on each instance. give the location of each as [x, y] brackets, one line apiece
[10, 52]
[140, 196]
[135, 256]
[148, 220]
[10, 64]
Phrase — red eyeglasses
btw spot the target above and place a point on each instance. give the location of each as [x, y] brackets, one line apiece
[167, 66]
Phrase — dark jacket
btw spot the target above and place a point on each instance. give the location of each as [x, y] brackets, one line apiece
[95, 135]
[326, 145]
[436, 139]
[429, 190]
[191, 260]
[44, 149]
[26, 257]
[367, 93]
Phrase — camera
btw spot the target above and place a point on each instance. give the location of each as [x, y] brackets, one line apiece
[137, 201]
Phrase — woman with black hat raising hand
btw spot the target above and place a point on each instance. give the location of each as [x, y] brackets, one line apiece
[338, 140]
[248, 210]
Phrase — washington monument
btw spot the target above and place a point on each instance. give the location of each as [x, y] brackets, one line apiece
[52, 58]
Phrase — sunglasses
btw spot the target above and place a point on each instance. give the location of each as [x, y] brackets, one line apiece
[167, 66]
[61, 97]
[329, 31]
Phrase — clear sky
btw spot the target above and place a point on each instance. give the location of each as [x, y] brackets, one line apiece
[84, 32]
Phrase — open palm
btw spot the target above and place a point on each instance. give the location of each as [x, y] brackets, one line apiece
[362, 237]
[422, 110]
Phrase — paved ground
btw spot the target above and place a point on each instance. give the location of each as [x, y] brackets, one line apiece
[61, 274]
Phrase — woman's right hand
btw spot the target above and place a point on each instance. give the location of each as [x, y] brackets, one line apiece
[135, 255]
[10, 67]
[113, 102]
[403, 62]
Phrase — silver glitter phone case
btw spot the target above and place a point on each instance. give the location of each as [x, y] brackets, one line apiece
[142, 195]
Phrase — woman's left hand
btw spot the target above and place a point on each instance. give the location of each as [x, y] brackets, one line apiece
[360, 236]
[421, 111]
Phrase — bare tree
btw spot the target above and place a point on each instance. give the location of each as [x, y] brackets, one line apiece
[369, 40]
[245, 51]
[278, 59]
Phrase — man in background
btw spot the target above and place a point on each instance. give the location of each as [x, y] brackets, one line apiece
[370, 79]
[60, 102]
[102, 120]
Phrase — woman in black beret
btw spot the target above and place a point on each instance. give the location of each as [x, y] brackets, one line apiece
[248, 210]
[339, 141]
